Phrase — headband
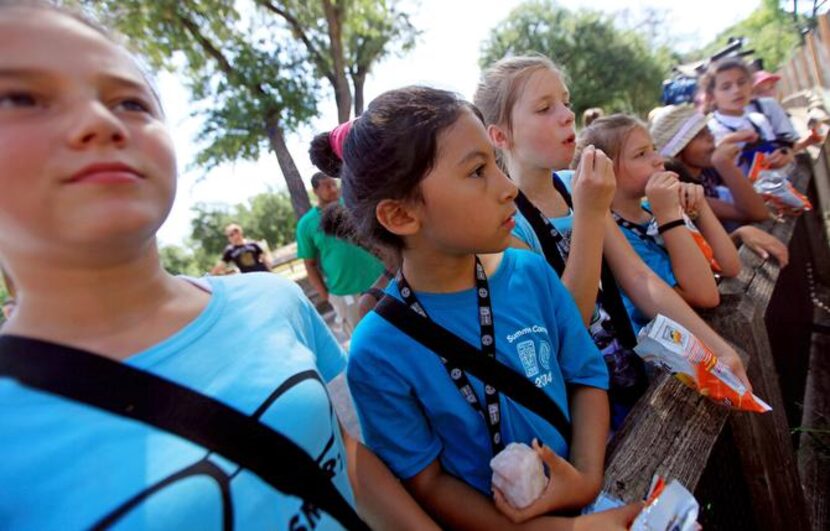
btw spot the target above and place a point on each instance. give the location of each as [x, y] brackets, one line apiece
[337, 137]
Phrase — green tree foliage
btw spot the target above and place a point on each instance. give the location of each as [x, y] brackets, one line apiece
[770, 31]
[184, 261]
[266, 217]
[607, 67]
[343, 39]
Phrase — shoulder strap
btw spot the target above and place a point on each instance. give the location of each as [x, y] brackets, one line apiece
[610, 294]
[139, 395]
[549, 247]
[756, 104]
[444, 343]
[563, 190]
[613, 304]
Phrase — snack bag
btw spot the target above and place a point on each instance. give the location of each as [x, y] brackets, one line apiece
[668, 508]
[519, 474]
[776, 189]
[669, 345]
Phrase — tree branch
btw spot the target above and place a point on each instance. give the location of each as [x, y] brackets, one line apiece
[301, 34]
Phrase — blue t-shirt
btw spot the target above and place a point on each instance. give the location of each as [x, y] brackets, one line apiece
[259, 346]
[524, 231]
[412, 413]
[657, 258]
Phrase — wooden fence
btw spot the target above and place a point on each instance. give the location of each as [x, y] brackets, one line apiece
[743, 467]
[809, 65]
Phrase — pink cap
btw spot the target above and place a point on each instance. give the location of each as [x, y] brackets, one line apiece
[337, 137]
[762, 75]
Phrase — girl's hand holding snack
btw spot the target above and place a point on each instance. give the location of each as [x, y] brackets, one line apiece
[567, 488]
[692, 199]
[738, 137]
[594, 183]
[663, 193]
[780, 157]
[726, 155]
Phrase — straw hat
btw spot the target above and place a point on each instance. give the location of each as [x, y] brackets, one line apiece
[674, 126]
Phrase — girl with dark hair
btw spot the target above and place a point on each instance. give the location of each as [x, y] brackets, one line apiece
[727, 85]
[131, 397]
[425, 184]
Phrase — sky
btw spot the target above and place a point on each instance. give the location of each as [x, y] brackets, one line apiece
[445, 56]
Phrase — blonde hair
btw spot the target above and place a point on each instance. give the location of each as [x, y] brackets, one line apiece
[503, 82]
[609, 134]
[235, 226]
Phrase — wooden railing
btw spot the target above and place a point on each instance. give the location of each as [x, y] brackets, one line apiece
[809, 65]
[741, 466]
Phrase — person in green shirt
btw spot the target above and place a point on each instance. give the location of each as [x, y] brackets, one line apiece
[338, 270]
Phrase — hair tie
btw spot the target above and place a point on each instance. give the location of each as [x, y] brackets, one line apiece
[337, 137]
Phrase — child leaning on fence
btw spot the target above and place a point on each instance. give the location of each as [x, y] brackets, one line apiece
[424, 181]
[526, 106]
[89, 175]
[682, 251]
[681, 135]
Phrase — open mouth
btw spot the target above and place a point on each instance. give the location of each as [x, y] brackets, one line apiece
[570, 140]
[510, 221]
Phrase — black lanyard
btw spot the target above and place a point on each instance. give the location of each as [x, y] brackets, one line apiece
[636, 228]
[488, 346]
[556, 254]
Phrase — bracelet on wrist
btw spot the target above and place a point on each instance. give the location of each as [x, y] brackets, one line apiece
[670, 225]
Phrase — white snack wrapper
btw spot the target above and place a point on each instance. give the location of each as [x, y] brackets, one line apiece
[675, 509]
[519, 474]
[669, 345]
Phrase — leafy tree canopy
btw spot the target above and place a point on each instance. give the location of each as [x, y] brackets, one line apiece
[605, 66]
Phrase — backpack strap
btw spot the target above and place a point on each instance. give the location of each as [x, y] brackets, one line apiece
[610, 294]
[469, 358]
[123, 390]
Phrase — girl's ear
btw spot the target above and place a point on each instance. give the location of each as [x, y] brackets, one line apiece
[398, 217]
[498, 136]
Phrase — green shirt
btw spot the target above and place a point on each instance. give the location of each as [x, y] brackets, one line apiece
[347, 268]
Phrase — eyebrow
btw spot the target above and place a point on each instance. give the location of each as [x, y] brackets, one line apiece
[110, 78]
[472, 155]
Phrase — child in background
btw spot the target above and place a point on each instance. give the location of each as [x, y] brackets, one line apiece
[526, 107]
[680, 132]
[89, 175]
[425, 183]
[661, 232]
[681, 135]
[727, 86]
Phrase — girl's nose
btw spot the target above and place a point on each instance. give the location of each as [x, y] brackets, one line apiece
[95, 125]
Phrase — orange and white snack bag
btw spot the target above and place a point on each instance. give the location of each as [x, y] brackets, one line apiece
[669, 345]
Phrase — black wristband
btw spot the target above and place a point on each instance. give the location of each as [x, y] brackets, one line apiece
[670, 225]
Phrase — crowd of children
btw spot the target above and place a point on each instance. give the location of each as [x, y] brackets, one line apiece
[515, 240]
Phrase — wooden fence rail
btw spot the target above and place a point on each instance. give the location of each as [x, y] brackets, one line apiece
[673, 431]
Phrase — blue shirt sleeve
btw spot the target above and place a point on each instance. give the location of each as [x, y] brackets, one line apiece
[331, 360]
[392, 419]
[524, 232]
[579, 358]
